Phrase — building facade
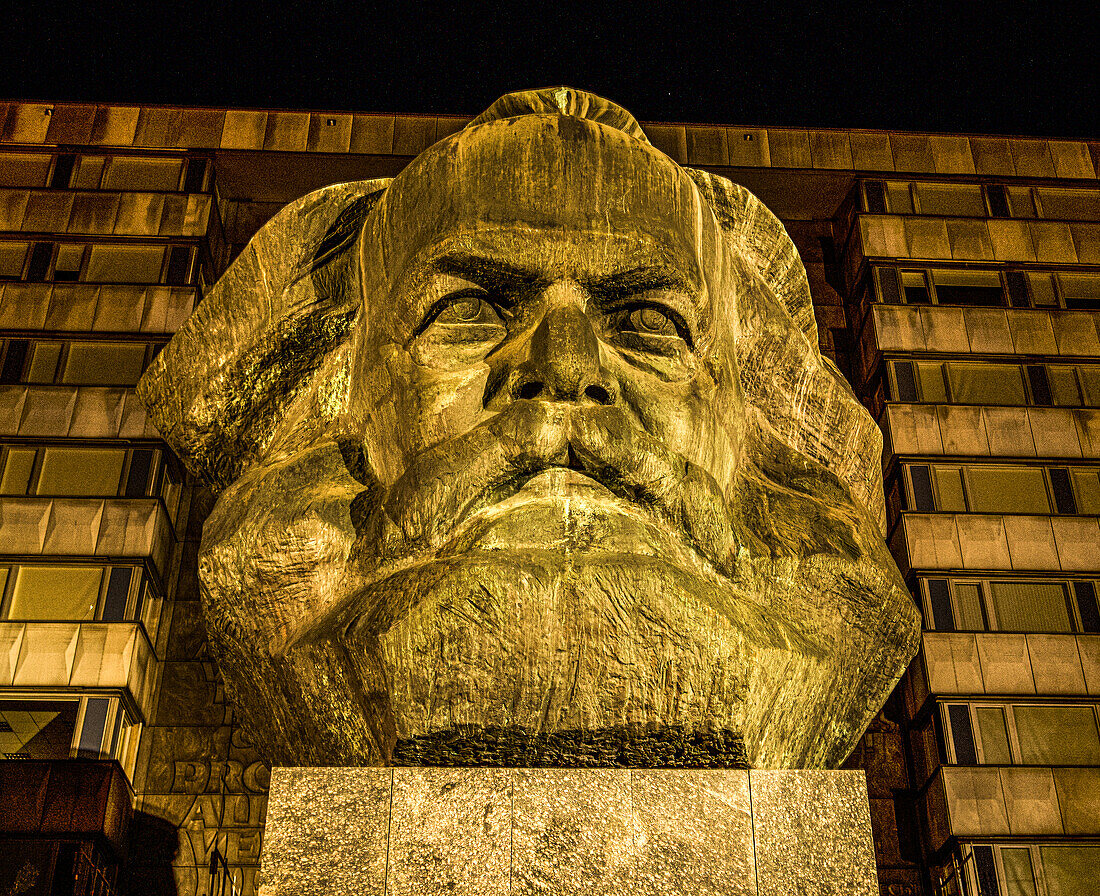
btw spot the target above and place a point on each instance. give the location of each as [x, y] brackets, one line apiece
[956, 282]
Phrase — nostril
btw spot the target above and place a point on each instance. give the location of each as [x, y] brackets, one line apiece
[530, 389]
[598, 394]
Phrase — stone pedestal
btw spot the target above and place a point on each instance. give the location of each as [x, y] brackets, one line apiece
[506, 832]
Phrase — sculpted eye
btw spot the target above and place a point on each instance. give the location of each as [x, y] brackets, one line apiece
[654, 320]
[650, 320]
[466, 307]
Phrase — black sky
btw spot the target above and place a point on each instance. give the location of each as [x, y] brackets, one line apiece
[970, 66]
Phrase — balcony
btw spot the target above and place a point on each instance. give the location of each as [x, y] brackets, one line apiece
[112, 528]
[980, 431]
[105, 213]
[78, 655]
[83, 412]
[1003, 664]
[975, 239]
[90, 307]
[1011, 802]
[999, 331]
[978, 541]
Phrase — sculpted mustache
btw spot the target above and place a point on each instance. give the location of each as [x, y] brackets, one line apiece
[447, 483]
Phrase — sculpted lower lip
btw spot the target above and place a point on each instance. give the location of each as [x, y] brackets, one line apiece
[563, 481]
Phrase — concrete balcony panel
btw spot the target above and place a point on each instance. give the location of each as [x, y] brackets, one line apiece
[967, 430]
[1054, 432]
[1078, 792]
[1006, 666]
[1031, 802]
[968, 239]
[1031, 542]
[100, 655]
[972, 541]
[988, 331]
[983, 541]
[915, 429]
[1086, 239]
[1000, 331]
[1008, 431]
[87, 307]
[1009, 663]
[69, 798]
[105, 213]
[1032, 332]
[1011, 801]
[963, 429]
[931, 540]
[944, 329]
[1088, 427]
[975, 802]
[1088, 647]
[1053, 242]
[1075, 332]
[1010, 240]
[952, 663]
[50, 412]
[86, 527]
[1078, 540]
[1056, 664]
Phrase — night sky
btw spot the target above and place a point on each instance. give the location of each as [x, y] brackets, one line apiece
[1008, 67]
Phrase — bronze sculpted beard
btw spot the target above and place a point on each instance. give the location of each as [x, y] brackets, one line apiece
[489, 584]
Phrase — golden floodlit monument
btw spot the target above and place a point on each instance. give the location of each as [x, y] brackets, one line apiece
[529, 457]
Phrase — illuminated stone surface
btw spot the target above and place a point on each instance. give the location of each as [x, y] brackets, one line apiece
[529, 457]
[565, 831]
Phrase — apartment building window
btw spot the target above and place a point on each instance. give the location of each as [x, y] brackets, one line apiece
[987, 288]
[37, 729]
[63, 593]
[978, 201]
[949, 199]
[62, 727]
[76, 363]
[125, 264]
[164, 173]
[996, 384]
[98, 263]
[1023, 870]
[943, 488]
[79, 471]
[1068, 205]
[143, 174]
[1042, 605]
[1021, 734]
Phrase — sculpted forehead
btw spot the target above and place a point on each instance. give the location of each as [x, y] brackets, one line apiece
[598, 196]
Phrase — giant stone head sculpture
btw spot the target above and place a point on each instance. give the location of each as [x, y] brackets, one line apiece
[528, 456]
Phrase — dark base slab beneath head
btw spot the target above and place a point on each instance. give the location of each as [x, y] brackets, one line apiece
[619, 747]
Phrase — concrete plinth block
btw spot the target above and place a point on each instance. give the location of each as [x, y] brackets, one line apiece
[558, 832]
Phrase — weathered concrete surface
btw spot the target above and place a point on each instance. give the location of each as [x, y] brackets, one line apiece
[554, 832]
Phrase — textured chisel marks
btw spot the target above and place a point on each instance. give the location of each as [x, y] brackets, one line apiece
[450, 832]
[326, 832]
[813, 833]
[572, 833]
[693, 833]
[529, 456]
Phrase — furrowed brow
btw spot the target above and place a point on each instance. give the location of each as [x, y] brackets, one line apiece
[487, 273]
[642, 279]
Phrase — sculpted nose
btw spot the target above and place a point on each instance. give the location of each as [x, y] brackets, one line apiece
[563, 363]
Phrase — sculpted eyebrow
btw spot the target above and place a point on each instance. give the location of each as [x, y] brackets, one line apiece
[487, 273]
[627, 283]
